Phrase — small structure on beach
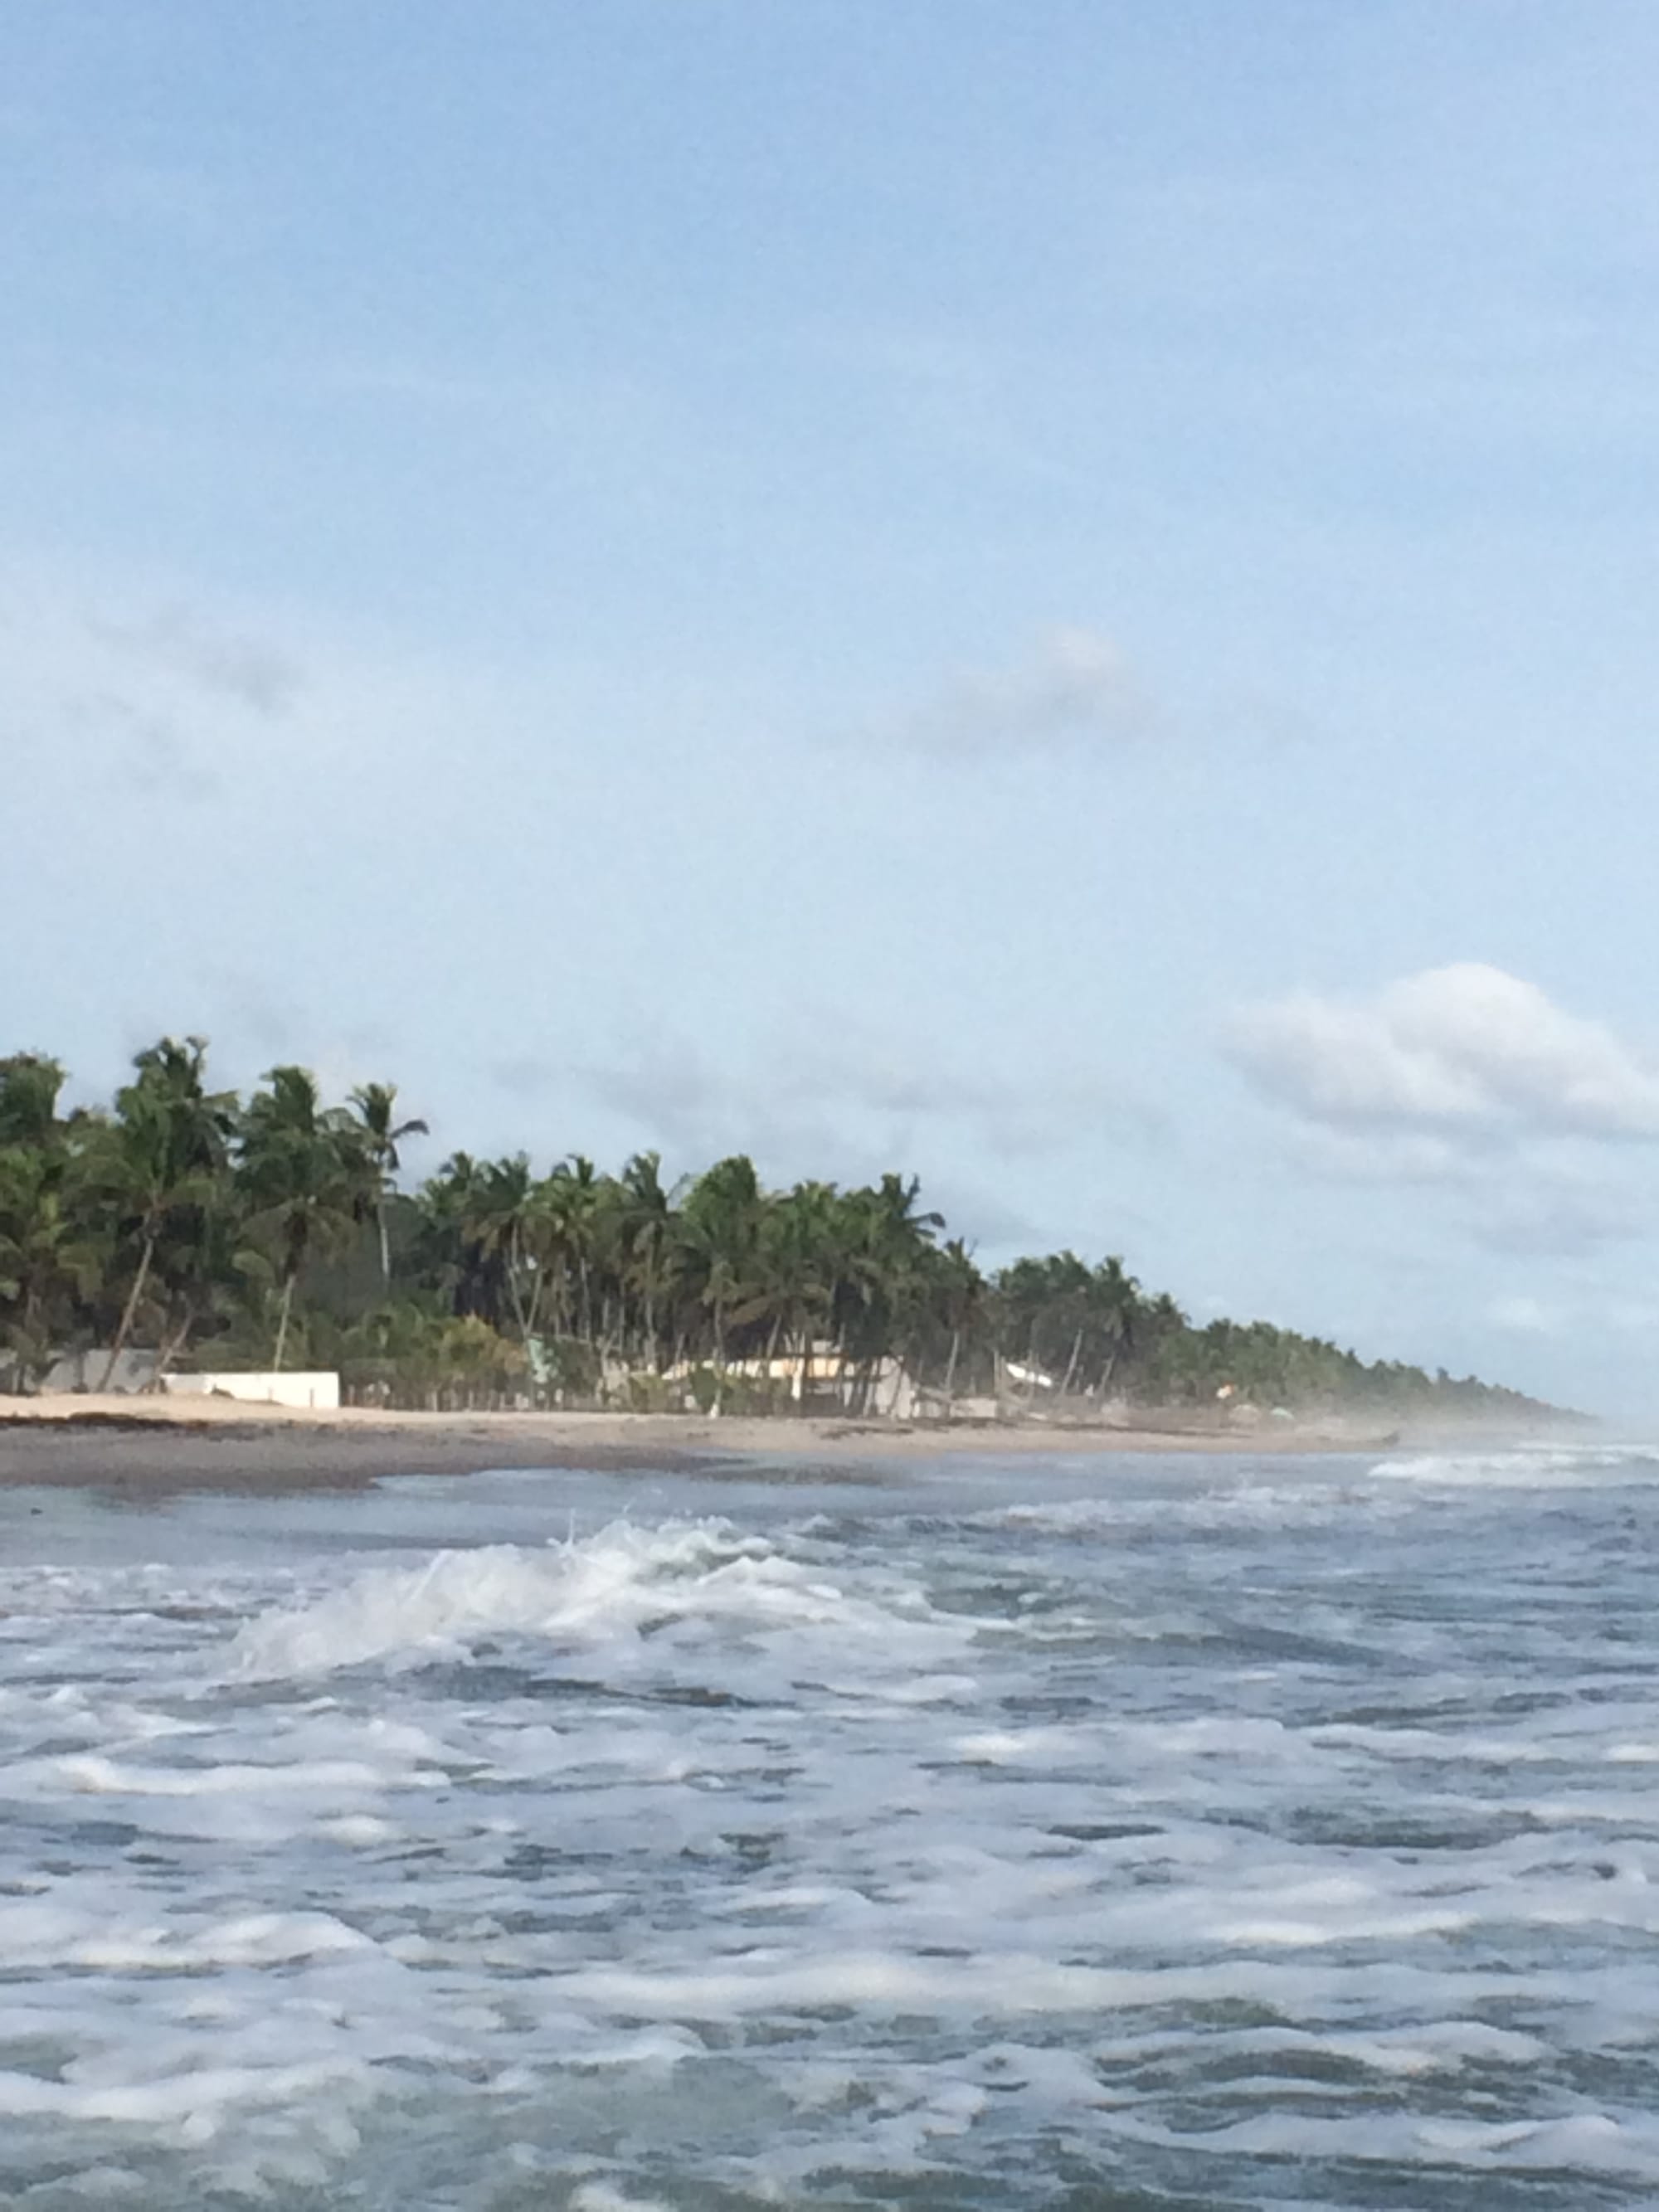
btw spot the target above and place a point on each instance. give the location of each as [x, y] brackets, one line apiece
[313, 1391]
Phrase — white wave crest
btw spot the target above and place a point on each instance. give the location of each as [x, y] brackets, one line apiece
[1609, 1467]
[600, 1589]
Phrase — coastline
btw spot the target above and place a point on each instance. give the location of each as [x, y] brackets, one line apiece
[147, 1448]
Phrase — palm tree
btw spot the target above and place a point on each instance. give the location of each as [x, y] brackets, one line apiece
[1116, 1308]
[496, 1221]
[802, 1251]
[448, 1205]
[47, 1258]
[51, 1246]
[720, 1234]
[646, 1228]
[573, 1197]
[958, 1296]
[881, 1295]
[167, 1150]
[376, 1105]
[29, 1085]
[306, 1178]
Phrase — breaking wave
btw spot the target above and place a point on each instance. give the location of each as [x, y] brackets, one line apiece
[616, 1586]
[1528, 1468]
[1242, 1833]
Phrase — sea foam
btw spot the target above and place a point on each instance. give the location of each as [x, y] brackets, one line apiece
[1233, 1833]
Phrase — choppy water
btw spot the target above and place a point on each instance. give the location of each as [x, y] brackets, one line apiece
[1058, 1835]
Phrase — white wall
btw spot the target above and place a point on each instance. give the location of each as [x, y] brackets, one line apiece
[298, 1388]
[84, 1370]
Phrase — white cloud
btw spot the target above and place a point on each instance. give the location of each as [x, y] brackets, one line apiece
[1462, 1053]
[1525, 1316]
[1076, 689]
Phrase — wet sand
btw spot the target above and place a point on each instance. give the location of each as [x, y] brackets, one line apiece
[155, 1448]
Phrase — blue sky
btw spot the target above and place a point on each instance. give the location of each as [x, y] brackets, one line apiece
[1059, 595]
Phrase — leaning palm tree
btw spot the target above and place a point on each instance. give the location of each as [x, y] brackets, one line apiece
[165, 1154]
[1117, 1305]
[956, 1296]
[305, 1177]
[376, 1105]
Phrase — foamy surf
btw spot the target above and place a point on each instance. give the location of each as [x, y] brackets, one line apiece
[621, 1584]
[1533, 1467]
[1247, 1834]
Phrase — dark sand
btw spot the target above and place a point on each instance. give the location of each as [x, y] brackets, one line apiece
[150, 1448]
[154, 1459]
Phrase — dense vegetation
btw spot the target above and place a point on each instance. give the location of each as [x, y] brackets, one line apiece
[214, 1231]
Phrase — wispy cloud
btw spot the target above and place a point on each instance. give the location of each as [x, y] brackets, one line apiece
[1525, 1315]
[860, 1101]
[147, 750]
[253, 670]
[1075, 691]
[156, 697]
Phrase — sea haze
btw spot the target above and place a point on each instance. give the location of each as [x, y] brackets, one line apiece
[1236, 1832]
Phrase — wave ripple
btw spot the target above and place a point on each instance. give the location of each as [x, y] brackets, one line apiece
[1248, 1834]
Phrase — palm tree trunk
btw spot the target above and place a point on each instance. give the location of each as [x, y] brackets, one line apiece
[512, 1290]
[1071, 1364]
[171, 1348]
[950, 1369]
[282, 1324]
[386, 1246]
[125, 1326]
[536, 1289]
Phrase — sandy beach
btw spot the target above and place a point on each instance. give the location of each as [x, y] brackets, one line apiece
[146, 1447]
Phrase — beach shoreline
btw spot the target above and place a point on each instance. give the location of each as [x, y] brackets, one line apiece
[156, 1447]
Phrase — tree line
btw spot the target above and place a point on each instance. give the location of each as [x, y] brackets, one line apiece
[202, 1229]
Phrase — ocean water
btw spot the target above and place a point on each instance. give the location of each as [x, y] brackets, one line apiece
[1053, 1833]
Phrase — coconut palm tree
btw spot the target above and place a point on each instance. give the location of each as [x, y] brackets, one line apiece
[801, 1256]
[305, 1179]
[881, 1289]
[495, 1222]
[957, 1297]
[29, 1085]
[720, 1238]
[574, 1201]
[166, 1153]
[47, 1259]
[1116, 1310]
[376, 1106]
[50, 1244]
[646, 1227]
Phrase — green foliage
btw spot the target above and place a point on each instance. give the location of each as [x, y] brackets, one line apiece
[193, 1225]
